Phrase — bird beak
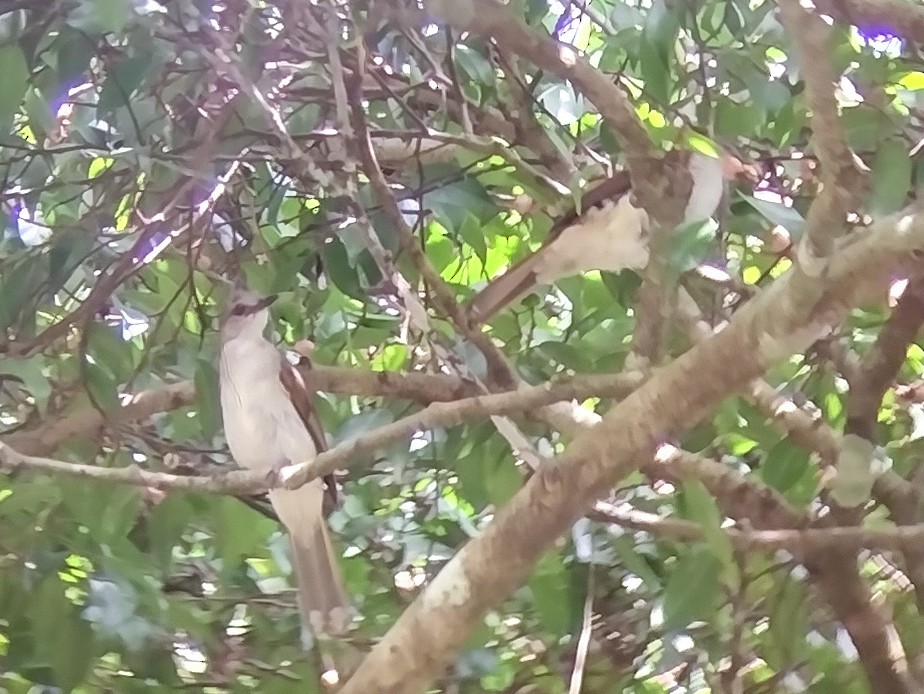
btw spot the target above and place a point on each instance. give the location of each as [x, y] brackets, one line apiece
[735, 169]
[266, 302]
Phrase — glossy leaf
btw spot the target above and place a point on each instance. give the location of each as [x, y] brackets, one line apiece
[692, 589]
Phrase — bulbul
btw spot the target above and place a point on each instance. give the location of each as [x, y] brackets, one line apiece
[610, 233]
[270, 423]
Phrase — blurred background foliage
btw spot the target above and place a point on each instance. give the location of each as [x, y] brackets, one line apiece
[149, 149]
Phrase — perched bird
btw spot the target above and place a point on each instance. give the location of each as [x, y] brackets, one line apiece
[270, 423]
[611, 233]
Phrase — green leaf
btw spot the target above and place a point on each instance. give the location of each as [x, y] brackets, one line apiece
[656, 51]
[109, 349]
[891, 177]
[341, 271]
[698, 505]
[107, 511]
[474, 64]
[68, 250]
[12, 25]
[74, 654]
[912, 81]
[102, 386]
[734, 20]
[100, 16]
[691, 244]
[786, 126]
[692, 590]
[392, 358]
[635, 562]
[788, 622]
[453, 203]
[239, 531]
[29, 371]
[563, 103]
[207, 397]
[703, 144]
[768, 96]
[364, 422]
[552, 598]
[168, 520]
[13, 85]
[864, 126]
[62, 637]
[784, 465]
[778, 213]
[20, 499]
[856, 471]
[124, 80]
[75, 50]
[39, 112]
[503, 480]
[736, 120]
[472, 232]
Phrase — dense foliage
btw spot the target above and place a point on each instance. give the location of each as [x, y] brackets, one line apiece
[151, 150]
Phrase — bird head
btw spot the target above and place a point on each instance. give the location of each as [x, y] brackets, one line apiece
[246, 314]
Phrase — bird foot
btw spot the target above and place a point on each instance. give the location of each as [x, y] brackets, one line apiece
[281, 473]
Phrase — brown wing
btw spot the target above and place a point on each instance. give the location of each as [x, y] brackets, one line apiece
[520, 278]
[298, 394]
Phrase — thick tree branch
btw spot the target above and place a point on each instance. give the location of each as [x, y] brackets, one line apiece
[88, 421]
[814, 434]
[769, 328]
[898, 17]
[842, 181]
[835, 571]
[802, 542]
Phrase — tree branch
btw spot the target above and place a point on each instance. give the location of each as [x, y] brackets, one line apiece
[493, 19]
[832, 567]
[419, 387]
[769, 328]
[899, 17]
[836, 571]
[876, 374]
[880, 366]
[842, 181]
[435, 416]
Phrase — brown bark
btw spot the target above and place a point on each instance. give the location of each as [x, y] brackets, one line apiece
[488, 568]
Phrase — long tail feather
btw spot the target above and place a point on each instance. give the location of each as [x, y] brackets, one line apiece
[517, 281]
[322, 599]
